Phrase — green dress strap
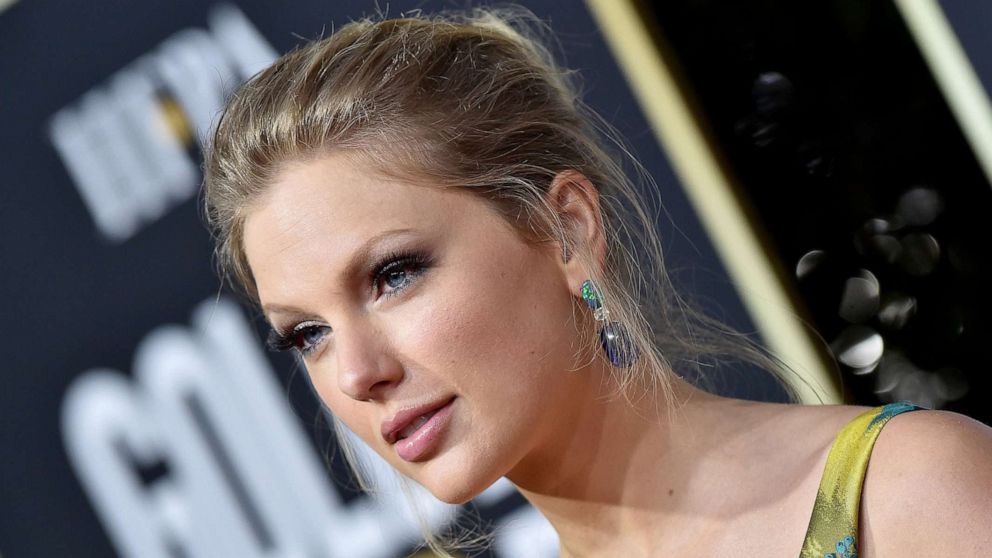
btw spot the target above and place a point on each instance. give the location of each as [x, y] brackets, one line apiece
[833, 529]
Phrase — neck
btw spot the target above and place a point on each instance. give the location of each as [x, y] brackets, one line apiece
[619, 472]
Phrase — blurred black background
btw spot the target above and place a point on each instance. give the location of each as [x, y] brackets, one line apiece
[851, 160]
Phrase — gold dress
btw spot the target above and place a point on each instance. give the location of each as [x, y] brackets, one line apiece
[833, 529]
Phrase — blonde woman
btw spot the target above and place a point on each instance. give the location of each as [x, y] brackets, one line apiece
[426, 212]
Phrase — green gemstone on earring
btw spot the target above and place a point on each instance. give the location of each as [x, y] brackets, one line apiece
[591, 294]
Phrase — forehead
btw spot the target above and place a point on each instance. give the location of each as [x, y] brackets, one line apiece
[320, 211]
[339, 194]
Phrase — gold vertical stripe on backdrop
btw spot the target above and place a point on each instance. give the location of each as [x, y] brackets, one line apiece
[953, 73]
[709, 189]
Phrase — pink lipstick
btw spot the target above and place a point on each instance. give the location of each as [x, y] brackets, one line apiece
[416, 432]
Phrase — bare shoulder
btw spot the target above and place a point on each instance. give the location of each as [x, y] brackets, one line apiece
[928, 488]
[818, 423]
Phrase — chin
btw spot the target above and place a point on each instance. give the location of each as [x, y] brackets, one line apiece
[455, 486]
[455, 497]
[451, 488]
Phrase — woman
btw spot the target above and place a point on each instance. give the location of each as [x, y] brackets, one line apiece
[423, 210]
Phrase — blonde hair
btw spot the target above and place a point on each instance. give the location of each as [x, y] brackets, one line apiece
[469, 100]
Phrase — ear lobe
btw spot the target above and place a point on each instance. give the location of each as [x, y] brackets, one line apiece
[575, 200]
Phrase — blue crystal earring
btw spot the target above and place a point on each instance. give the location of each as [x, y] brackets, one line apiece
[617, 344]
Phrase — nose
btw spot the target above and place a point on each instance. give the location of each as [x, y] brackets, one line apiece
[366, 369]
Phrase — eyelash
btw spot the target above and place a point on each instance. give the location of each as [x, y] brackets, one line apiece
[295, 339]
[414, 263]
[417, 262]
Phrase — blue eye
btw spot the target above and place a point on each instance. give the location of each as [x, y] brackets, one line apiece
[398, 272]
[396, 279]
[305, 337]
[309, 337]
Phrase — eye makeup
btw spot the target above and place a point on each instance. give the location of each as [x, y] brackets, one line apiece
[304, 337]
[396, 271]
[388, 276]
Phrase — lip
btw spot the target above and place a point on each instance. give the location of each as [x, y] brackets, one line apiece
[415, 446]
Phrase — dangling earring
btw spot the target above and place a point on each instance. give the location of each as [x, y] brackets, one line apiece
[617, 344]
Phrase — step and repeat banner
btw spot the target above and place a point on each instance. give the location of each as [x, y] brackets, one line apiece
[140, 415]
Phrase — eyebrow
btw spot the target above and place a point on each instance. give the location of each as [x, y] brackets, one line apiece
[355, 262]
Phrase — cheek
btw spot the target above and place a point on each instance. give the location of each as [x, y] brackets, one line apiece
[497, 330]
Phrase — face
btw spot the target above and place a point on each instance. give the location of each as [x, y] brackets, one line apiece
[438, 334]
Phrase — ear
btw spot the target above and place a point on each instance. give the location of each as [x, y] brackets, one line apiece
[576, 201]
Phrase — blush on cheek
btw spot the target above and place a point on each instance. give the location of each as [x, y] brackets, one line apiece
[500, 326]
[429, 335]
